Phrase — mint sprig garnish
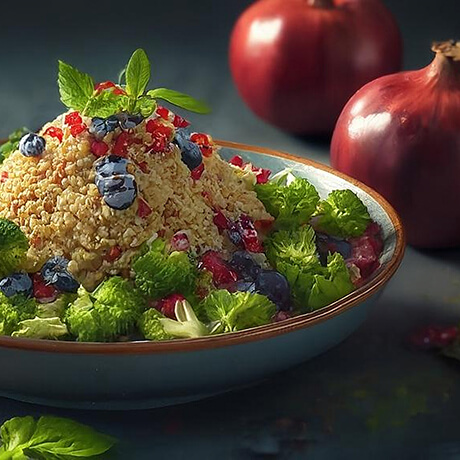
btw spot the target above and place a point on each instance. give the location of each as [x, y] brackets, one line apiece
[78, 92]
[12, 144]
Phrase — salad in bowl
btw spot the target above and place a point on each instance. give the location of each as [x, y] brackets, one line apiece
[118, 222]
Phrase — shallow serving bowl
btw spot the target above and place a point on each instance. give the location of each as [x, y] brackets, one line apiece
[145, 374]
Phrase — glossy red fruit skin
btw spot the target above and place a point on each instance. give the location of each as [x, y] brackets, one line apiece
[401, 136]
[297, 62]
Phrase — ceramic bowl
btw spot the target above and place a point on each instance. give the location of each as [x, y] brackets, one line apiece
[145, 374]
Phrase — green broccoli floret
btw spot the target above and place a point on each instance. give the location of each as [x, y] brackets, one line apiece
[229, 312]
[343, 214]
[41, 328]
[292, 201]
[151, 327]
[13, 247]
[159, 273]
[113, 309]
[334, 284]
[13, 310]
[56, 308]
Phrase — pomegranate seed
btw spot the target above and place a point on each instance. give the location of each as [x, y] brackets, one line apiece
[99, 148]
[73, 118]
[104, 85]
[262, 175]
[75, 130]
[180, 122]
[43, 292]
[3, 177]
[249, 234]
[433, 337]
[159, 144]
[220, 221]
[236, 161]
[281, 316]
[121, 144]
[204, 142]
[143, 209]
[222, 274]
[197, 172]
[167, 305]
[114, 253]
[163, 112]
[180, 241]
[144, 167]
[54, 132]
[363, 255]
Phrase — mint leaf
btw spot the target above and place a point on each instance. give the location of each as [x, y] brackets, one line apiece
[75, 87]
[51, 438]
[145, 105]
[180, 100]
[137, 74]
[12, 144]
[105, 104]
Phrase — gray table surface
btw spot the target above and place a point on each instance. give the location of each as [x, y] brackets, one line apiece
[371, 395]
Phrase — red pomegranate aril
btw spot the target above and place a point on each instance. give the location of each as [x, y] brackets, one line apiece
[143, 209]
[159, 144]
[249, 234]
[281, 316]
[73, 118]
[433, 337]
[204, 142]
[114, 253]
[222, 274]
[220, 221]
[75, 130]
[3, 177]
[54, 132]
[99, 148]
[144, 167]
[363, 255]
[262, 174]
[121, 144]
[236, 161]
[180, 122]
[197, 172]
[162, 112]
[180, 241]
[167, 305]
[43, 292]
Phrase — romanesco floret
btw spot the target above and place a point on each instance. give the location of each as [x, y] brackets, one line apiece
[13, 247]
[151, 327]
[113, 309]
[159, 273]
[228, 312]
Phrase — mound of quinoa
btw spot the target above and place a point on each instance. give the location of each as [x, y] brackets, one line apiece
[54, 199]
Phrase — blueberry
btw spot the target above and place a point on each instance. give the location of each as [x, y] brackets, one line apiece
[128, 121]
[111, 165]
[32, 145]
[101, 126]
[182, 137]
[191, 155]
[245, 265]
[55, 272]
[328, 244]
[234, 235]
[119, 192]
[276, 287]
[17, 283]
[245, 286]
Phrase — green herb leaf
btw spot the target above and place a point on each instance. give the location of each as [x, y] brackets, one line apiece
[180, 100]
[104, 104]
[41, 328]
[137, 74]
[75, 87]
[51, 438]
[13, 143]
[343, 214]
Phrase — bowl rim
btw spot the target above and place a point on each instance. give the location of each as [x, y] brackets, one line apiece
[249, 335]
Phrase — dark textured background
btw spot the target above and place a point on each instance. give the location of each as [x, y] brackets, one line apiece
[368, 398]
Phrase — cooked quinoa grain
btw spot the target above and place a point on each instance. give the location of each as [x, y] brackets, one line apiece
[54, 199]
